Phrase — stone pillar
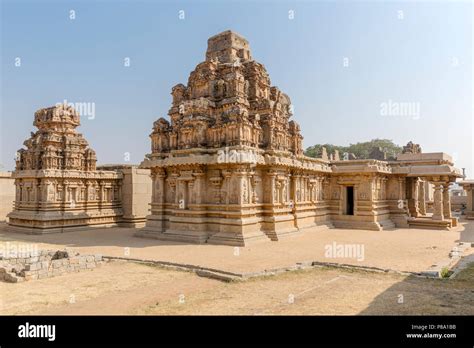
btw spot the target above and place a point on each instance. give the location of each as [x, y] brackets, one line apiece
[320, 188]
[119, 191]
[286, 186]
[273, 195]
[422, 198]
[401, 204]
[254, 180]
[101, 194]
[438, 201]
[241, 178]
[227, 178]
[303, 189]
[153, 188]
[326, 186]
[158, 193]
[191, 192]
[470, 198]
[182, 194]
[446, 201]
[312, 194]
[400, 188]
[173, 183]
[18, 191]
[416, 195]
[413, 192]
[199, 194]
[384, 188]
[295, 182]
[87, 196]
[279, 192]
[37, 191]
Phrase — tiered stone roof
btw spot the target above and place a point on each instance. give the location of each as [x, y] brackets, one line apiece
[228, 101]
[56, 144]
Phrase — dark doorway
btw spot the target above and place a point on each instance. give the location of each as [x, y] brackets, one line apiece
[350, 200]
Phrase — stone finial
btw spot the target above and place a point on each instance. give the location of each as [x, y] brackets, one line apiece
[410, 147]
[227, 89]
[59, 116]
[336, 155]
[324, 154]
[227, 47]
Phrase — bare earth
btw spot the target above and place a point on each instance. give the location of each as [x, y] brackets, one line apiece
[410, 250]
[120, 287]
[123, 287]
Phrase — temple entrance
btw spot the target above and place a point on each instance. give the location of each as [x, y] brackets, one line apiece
[349, 200]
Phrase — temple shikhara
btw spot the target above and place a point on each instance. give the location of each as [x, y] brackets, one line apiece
[226, 167]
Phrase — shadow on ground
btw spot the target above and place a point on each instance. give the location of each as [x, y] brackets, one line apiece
[420, 296]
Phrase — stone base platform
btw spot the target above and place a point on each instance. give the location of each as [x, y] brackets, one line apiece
[63, 229]
[246, 236]
[59, 222]
[428, 223]
[365, 225]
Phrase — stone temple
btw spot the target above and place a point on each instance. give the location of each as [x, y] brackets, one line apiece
[228, 167]
[57, 184]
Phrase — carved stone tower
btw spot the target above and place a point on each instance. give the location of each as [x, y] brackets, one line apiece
[57, 184]
[221, 165]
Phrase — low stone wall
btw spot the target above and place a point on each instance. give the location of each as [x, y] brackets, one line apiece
[45, 264]
[136, 193]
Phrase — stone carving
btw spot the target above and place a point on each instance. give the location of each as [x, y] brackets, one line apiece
[228, 104]
[56, 144]
[410, 147]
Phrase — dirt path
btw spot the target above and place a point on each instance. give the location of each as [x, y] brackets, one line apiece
[129, 288]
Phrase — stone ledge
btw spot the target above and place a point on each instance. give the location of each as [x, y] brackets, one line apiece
[233, 276]
[453, 264]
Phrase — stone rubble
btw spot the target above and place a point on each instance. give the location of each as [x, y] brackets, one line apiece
[45, 264]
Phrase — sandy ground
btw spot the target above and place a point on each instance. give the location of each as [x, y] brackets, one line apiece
[411, 250]
[120, 287]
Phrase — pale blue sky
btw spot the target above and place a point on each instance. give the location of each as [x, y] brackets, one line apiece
[424, 58]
